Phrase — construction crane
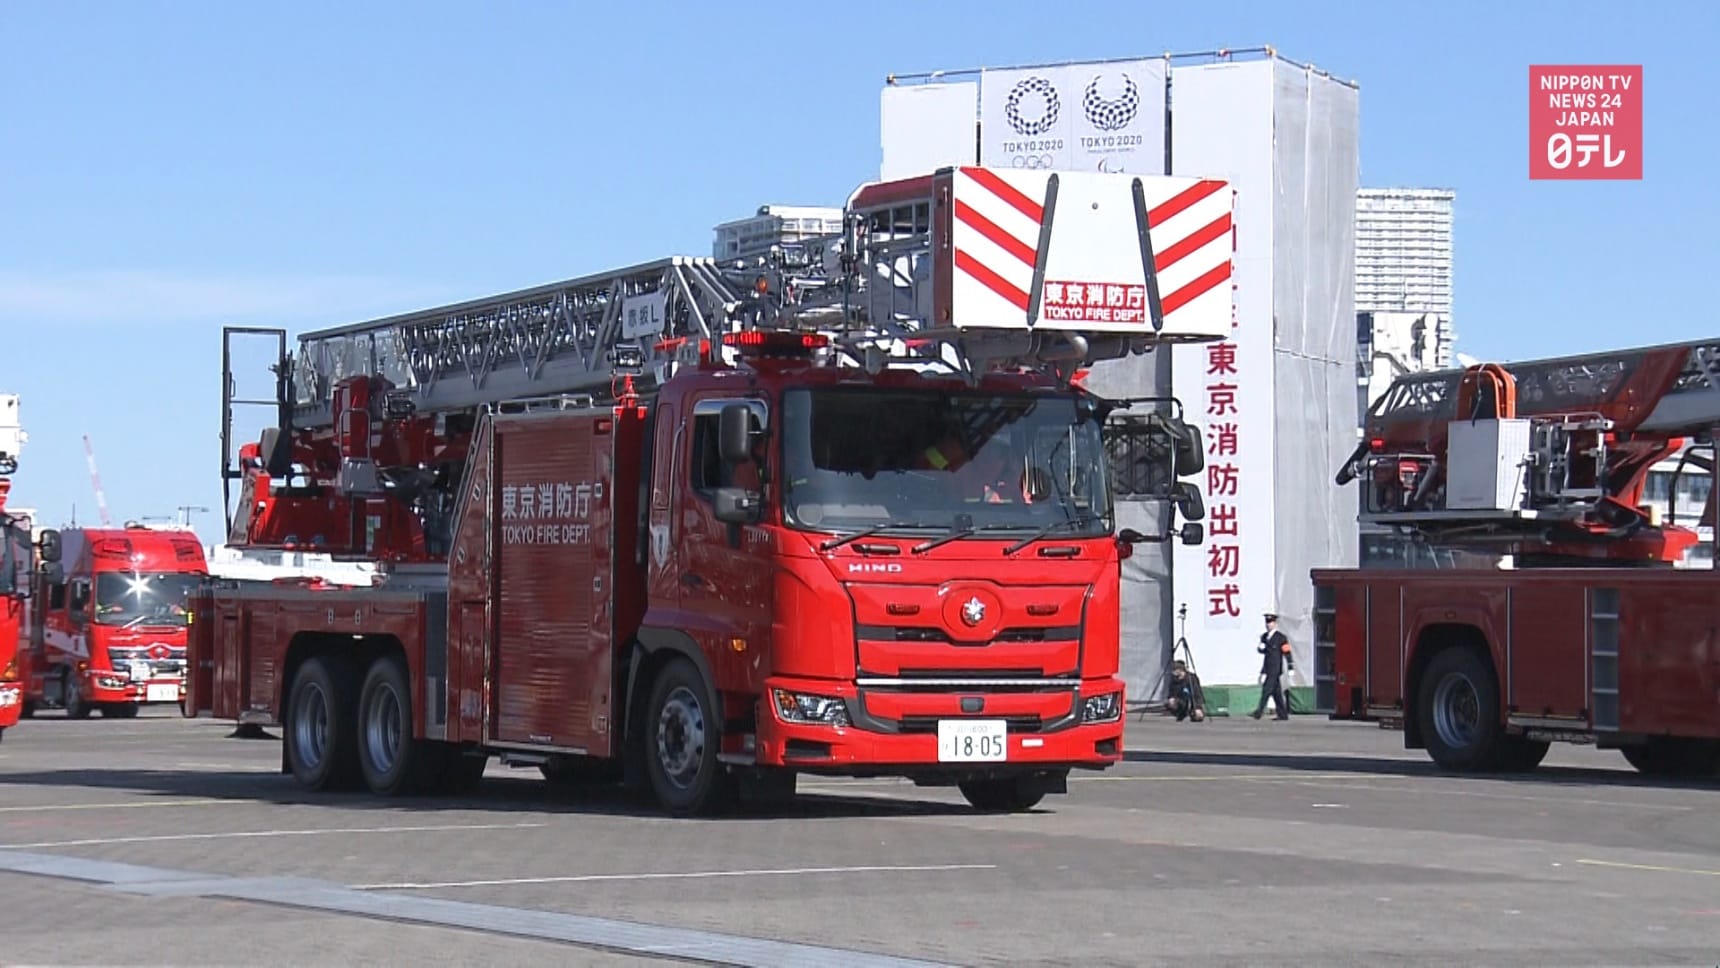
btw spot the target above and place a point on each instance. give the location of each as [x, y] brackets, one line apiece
[1543, 460]
[96, 482]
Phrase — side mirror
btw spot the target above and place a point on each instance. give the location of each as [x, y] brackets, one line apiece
[734, 433]
[1188, 450]
[1193, 533]
[1130, 536]
[1188, 501]
[48, 546]
[735, 505]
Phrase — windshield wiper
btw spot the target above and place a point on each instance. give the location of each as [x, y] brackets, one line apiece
[1085, 518]
[838, 542]
[958, 532]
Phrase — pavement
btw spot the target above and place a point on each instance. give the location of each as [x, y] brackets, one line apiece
[162, 841]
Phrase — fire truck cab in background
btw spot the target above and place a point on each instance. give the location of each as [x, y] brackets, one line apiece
[839, 511]
[16, 565]
[108, 626]
[1561, 614]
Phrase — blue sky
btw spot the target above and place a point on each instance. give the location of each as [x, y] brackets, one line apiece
[169, 167]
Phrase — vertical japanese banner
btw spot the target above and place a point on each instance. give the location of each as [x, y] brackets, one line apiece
[1224, 129]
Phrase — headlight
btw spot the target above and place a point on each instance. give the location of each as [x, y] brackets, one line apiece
[10, 696]
[801, 707]
[1101, 709]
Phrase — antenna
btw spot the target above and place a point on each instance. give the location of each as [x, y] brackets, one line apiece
[96, 482]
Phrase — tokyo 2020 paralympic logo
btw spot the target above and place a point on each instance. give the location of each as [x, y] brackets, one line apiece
[1111, 113]
[1032, 107]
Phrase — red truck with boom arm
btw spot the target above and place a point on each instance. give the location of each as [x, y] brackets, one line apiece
[841, 510]
[1561, 615]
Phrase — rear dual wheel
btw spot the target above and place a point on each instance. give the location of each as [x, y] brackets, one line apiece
[341, 733]
[1458, 710]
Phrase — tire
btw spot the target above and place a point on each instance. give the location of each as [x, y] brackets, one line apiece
[1457, 708]
[392, 761]
[119, 710]
[1014, 794]
[72, 697]
[1672, 756]
[681, 739]
[321, 736]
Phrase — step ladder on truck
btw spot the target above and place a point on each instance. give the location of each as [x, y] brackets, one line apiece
[703, 527]
[1562, 616]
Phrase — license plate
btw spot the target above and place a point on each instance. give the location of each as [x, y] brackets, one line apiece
[163, 693]
[972, 740]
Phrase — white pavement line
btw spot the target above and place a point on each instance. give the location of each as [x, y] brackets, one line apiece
[590, 932]
[125, 805]
[676, 875]
[1656, 868]
[240, 834]
[1483, 795]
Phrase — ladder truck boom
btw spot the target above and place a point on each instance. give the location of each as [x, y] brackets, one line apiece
[1566, 618]
[1542, 459]
[845, 509]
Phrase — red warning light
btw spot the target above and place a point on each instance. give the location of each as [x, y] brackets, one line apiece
[756, 342]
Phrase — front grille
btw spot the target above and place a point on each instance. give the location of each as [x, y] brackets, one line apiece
[923, 633]
[929, 724]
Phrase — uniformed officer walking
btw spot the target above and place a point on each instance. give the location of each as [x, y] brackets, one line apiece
[1275, 649]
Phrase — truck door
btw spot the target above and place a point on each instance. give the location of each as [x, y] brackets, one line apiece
[724, 584]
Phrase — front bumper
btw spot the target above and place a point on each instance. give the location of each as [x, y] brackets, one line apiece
[11, 703]
[104, 686]
[905, 739]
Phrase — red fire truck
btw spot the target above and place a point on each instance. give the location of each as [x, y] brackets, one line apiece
[107, 629]
[15, 569]
[839, 509]
[1552, 610]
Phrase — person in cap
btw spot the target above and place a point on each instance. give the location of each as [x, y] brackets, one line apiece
[1275, 650]
[1186, 698]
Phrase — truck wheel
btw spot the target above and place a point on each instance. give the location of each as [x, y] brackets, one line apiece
[321, 743]
[119, 710]
[1003, 794]
[393, 762]
[72, 696]
[682, 737]
[1458, 709]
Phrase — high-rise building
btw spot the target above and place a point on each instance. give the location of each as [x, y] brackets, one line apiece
[1403, 314]
[1403, 284]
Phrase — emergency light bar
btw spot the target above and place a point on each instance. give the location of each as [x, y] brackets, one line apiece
[757, 342]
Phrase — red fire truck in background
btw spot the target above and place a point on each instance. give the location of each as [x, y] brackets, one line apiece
[842, 509]
[15, 568]
[107, 628]
[1556, 612]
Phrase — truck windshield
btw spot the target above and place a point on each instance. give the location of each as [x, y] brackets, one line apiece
[141, 598]
[858, 458]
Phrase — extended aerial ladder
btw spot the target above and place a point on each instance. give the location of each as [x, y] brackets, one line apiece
[959, 270]
[1542, 460]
